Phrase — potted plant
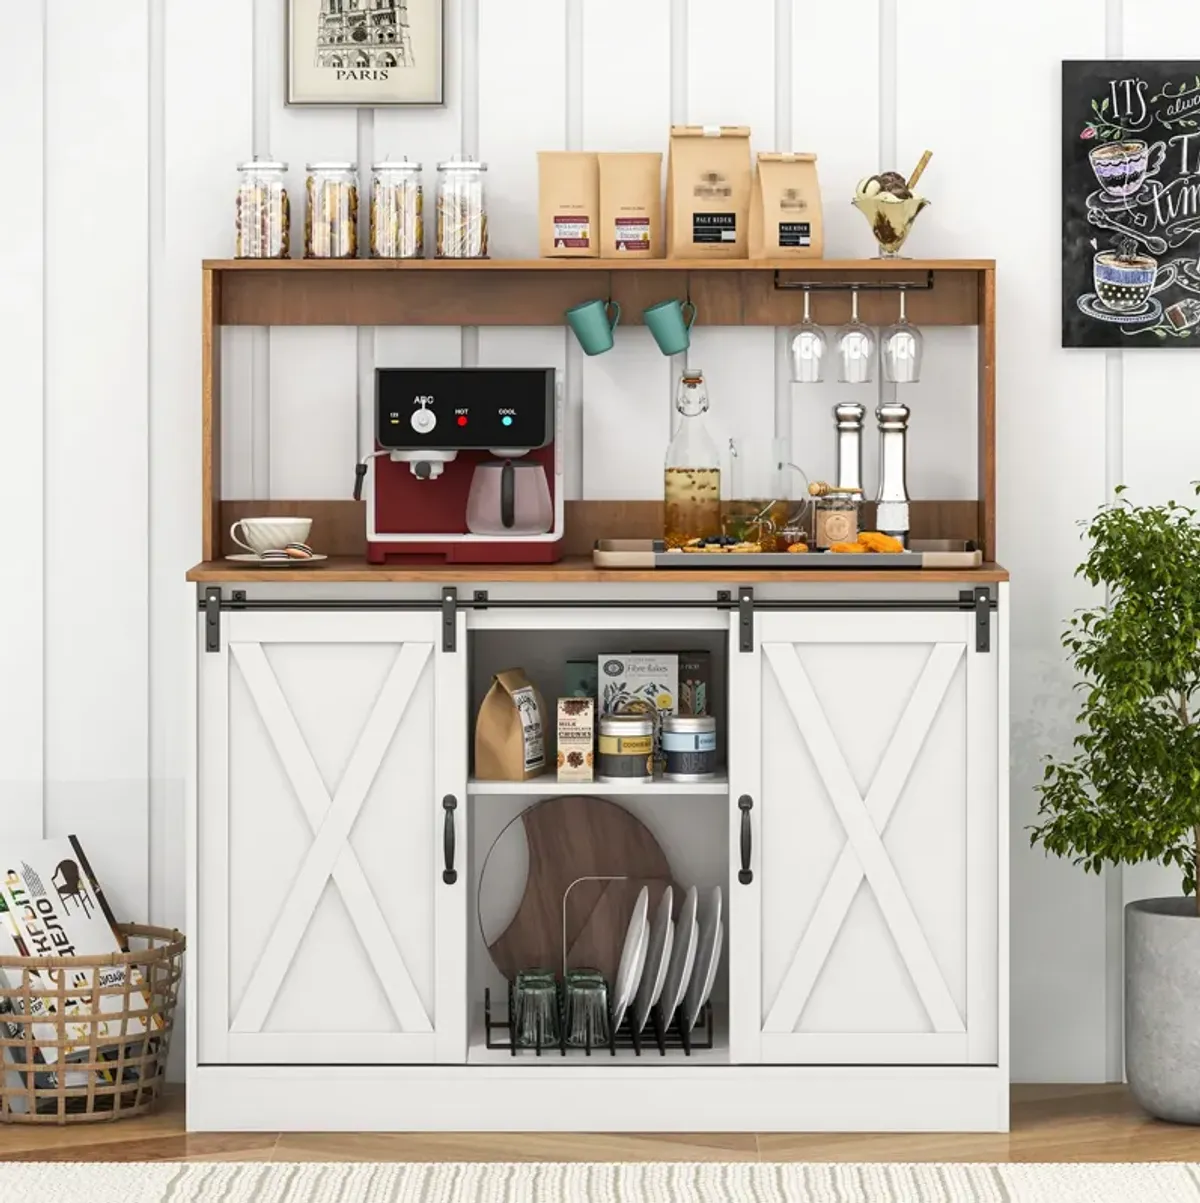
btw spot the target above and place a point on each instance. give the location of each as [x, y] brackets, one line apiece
[1131, 790]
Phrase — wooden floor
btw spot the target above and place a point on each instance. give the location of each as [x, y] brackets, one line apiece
[1050, 1123]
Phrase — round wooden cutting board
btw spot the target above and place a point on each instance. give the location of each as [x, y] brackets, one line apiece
[569, 838]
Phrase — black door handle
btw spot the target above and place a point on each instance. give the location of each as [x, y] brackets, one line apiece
[745, 804]
[449, 805]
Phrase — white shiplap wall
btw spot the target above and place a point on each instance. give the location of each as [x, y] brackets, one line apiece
[124, 123]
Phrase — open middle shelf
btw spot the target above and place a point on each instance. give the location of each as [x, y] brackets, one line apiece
[548, 786]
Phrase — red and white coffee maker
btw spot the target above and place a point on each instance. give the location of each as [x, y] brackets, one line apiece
[465, 467]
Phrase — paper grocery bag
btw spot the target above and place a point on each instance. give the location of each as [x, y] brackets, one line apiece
[568, 204]
[510, 735]
[631, 225]
[785, 208]
[708, 191]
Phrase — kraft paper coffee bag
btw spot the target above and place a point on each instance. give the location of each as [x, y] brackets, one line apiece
[785, 208]
[568, 204]
[631, 225]
[510, 734]
[708, 192]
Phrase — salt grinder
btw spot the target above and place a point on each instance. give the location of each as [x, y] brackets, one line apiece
[891, 509]
[848, 422]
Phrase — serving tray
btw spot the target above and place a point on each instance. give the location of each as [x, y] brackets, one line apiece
[652, 553]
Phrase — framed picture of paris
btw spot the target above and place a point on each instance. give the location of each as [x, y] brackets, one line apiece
[366, 53]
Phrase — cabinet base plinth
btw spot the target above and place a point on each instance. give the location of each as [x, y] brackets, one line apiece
[557, 1098]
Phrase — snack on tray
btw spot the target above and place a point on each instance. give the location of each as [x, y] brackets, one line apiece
[875, 540]
[848, 548]
[798, 547]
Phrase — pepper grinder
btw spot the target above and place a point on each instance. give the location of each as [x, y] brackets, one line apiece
[891, 504]
[848, 422]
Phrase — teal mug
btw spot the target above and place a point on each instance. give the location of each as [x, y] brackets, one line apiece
[671, 329]
[593, 326]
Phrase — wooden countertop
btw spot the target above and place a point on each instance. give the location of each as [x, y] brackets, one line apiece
[573, 569]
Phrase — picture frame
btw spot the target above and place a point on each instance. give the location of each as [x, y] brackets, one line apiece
[1130, 203]
[366, 53]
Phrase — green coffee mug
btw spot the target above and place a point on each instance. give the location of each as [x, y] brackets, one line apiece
[670, 328]
[592, 325]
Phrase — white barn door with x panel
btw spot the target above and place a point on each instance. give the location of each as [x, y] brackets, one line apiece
[330, 931]
[870, 927]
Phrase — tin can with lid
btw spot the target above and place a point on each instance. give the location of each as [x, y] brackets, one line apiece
[690, 744]
[625, 748]
[397, 211]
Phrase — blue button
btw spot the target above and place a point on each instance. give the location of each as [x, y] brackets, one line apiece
[506, 420]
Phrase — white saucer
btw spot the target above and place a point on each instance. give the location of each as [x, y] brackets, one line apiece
[633, 958]
[248, 557]
[1090, 304]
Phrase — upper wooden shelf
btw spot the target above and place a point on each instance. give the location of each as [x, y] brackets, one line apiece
[536, 292]
[868, 267]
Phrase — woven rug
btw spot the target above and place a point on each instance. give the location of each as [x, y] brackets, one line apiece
[601, 1182]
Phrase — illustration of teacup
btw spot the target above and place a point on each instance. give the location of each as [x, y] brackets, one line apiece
[1123, 167]
[1124, 282]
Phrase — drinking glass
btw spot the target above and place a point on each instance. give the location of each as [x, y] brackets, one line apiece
[806, 345]
[535, 1009]
[586, 1013]
[855, 345]
[900, 350]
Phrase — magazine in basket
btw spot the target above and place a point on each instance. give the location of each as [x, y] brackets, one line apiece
[52, 906]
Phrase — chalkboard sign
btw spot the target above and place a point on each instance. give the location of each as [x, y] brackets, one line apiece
[1131, 204]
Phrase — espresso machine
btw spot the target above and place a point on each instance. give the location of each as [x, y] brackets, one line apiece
[465, 468]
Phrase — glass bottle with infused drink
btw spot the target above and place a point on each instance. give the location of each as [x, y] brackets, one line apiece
[692, 480]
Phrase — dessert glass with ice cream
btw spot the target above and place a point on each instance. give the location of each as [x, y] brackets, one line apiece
[890, 207]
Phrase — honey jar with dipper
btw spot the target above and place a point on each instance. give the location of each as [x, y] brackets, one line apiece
[835, 514]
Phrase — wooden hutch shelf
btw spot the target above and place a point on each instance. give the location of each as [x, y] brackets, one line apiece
[536, 292]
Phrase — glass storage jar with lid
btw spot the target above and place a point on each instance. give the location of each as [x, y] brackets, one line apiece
[331, 216]
[263, 215]
[397, 211]
[462, 231]
[835, 514]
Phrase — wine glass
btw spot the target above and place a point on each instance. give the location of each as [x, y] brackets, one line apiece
[855, 346]
[900, 350]
[806, 344]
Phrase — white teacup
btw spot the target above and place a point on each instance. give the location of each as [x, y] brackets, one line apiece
[267, 534]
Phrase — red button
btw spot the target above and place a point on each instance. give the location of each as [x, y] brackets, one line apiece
[462, 421]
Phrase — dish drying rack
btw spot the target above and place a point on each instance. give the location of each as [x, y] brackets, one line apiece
[664, 1034]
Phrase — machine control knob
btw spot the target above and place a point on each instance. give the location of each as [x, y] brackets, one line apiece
[423, 420]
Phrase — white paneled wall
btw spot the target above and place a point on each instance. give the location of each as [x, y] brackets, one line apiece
[125, 122]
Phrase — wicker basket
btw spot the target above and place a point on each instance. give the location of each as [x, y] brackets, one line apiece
[110, 1074]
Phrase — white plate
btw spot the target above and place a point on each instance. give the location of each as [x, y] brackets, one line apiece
[662, 936]
[633, 957]
[683, 957]
[248, 557]
[707, 956]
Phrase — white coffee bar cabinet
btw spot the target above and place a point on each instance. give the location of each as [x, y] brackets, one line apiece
[858, 829]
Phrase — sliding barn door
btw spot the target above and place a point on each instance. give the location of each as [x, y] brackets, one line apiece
[329, 931]
[874, 823]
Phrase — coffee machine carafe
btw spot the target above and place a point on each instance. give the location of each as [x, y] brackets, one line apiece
[465, 467]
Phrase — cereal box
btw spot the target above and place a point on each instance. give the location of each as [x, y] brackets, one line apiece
[645, 683]
[576, 738]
